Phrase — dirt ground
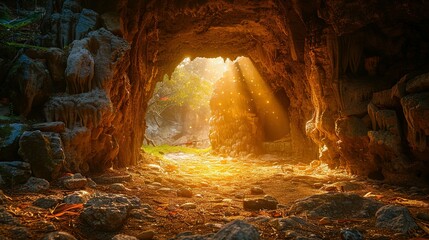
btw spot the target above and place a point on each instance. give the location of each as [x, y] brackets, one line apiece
[219, 186]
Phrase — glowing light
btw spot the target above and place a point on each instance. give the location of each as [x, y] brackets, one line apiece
[268, 101]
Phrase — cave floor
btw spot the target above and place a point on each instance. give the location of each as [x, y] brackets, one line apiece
[219, 186]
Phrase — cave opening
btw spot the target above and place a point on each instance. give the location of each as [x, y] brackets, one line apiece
[218, 104]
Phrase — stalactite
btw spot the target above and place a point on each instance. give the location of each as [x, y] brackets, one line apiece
[372, 110]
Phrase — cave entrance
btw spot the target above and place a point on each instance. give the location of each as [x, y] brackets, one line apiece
[217, 103]
[179, 112]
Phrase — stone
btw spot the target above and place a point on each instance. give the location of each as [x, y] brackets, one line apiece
[44, 151]
[146, 235]
[91, 183]
[395, 218]
[292, 222]
[77, 197]
[184, 192]
[14, 172]
[256, 190]
[141, 214]
[118, 187]
[58, 236]
[80, 71]
[123, 237]
[335, 205]
[165, 190]
[31, 83]
[237, 229]
[86, 23]
[75, 183]
[417, 84]
[260, 203]
[56, 127]
[108, 212]
[35, 185]
[9, 140]
[188, 206]
[46, 202]
[7, 218]
[351, 234]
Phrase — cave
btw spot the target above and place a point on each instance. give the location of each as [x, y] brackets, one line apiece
[330, 100]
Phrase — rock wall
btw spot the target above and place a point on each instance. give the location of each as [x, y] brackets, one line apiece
[355, 73]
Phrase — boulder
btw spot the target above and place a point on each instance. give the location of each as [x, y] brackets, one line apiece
[30, 83]
[76, 181]
[44, 151]
[260, 203]
[9, 140]
[58, 236]
[35, 185]
[46, 202]
[237, 229]
[80, 71]
[14, 172]
[335, 205]
[123, 237]
[108, 212]
[87, 22]
[77, 197]
[396, 218]
[7, 218]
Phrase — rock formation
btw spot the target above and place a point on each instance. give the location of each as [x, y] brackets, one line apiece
[355, 74]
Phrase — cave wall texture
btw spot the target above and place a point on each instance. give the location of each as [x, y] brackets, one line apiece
[355, 72]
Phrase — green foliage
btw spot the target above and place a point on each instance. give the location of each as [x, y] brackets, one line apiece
[20, 22]
[183, 88]
[159, 151]
[23, 45]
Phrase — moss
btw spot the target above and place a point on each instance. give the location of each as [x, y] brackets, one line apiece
[159, 151]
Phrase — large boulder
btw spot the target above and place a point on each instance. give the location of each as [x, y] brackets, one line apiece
[12, 173]
[44, 151]
[396, 218]
[335, 205]
[237, 230]
[9, 140]
[108, 212]
[30, 83]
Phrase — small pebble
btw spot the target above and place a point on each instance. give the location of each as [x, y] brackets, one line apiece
[188, 206]
[256, 190]
[184, 192]
[146, 235]
[118, 187]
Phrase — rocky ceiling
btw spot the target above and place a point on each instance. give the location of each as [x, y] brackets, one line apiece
[355, 73]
